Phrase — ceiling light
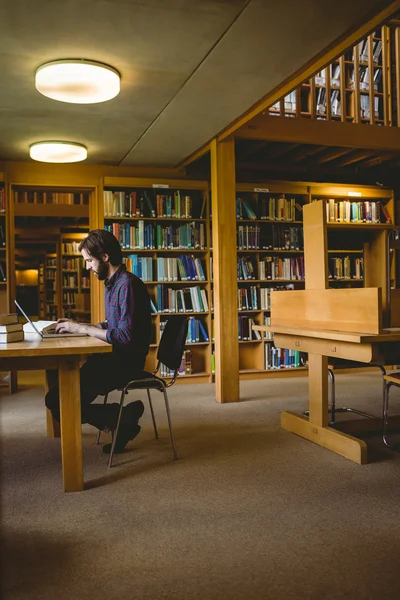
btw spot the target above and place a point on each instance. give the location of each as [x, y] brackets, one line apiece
[58, 152]
[77, 81]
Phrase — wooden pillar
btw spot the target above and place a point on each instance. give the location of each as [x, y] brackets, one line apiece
[223, 191]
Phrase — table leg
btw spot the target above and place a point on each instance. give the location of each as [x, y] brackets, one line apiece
[71, 428]
[316, 427]
[52, 426]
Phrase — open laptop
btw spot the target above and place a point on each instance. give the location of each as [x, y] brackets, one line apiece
[50, 330]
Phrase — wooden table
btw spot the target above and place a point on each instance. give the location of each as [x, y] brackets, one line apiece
[380, 348]
[65, 356]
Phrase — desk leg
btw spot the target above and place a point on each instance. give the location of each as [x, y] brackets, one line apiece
[71, 428]
[52, 426]
[316, 427]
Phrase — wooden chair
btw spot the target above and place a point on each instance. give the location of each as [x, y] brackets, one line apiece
[170, 351]
[389, 380]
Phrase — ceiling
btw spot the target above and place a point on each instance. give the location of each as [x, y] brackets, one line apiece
[188, 67]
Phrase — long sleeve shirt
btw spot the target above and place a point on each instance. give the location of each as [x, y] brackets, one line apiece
[128, 314]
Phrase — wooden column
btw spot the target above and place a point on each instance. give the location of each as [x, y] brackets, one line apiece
[316, 268]
[223, 193]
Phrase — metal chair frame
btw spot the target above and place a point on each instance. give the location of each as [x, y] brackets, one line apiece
[153, 382]
[333, 410]
[388, 384]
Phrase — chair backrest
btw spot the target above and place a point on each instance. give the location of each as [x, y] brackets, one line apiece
[172, 343]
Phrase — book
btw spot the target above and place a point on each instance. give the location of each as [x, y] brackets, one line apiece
[10, 327]
[14, 336]
[8, 318]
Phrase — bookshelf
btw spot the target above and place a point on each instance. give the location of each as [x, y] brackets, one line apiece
[75, 279]
[53, 213]
[163, 228]
[354, 88]
[270, 255]
[4, 300]
[52, 287]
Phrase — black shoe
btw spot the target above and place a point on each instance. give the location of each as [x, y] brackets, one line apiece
[128, 427]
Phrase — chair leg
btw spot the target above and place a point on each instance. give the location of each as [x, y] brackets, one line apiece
[333, 395]
[386, 414]
[170, 425]
[152, 415]
[115, 434]
[99, 432]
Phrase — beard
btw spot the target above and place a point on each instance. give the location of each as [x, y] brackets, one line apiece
[102, 271]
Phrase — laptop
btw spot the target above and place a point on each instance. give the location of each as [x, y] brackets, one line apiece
[50, 330]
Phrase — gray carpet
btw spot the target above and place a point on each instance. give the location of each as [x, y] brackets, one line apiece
[249, 511]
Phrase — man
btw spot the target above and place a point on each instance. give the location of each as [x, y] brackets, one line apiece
[127, 328]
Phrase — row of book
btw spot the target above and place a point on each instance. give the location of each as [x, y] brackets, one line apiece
[2, 235]
[48, 197]
[191, 299]
[345, 211]
[271, 237]
[346, 268]
[182, 268]
[11, 330]
[146, 236]
[289, 269]
[3, 271]
[147, 203]
[51, 262]
[269, 208]
[71, 264]
[68, 248]
[70, 281]
[363, 50]
[2, 200]
[283, 358]
[185, 368]
[245, 329]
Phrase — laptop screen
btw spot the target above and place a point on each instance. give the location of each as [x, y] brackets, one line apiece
[28, 319]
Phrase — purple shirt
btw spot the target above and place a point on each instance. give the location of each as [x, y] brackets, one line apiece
[128, 315]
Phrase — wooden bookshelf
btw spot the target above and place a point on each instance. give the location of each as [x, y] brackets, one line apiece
[353, 88]
[75, 279]
[4, 255]
[270, 239]
[163, 228]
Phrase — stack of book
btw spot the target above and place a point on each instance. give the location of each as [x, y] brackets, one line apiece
[10, 329]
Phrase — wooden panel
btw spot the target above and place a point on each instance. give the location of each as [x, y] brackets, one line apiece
[331, 133]
[315, 245]
[376, 268]
[341, 443]
[71, 434]
[52, 426]
[306, 72]
[318, 389]
[395, 308]
[347, 350]
[51, 210]
[225, 271]
[354, 310]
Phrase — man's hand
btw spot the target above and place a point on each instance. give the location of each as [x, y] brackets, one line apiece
[68, 326]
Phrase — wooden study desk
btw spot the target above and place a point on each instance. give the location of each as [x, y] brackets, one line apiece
[383, 348]
[65, 356]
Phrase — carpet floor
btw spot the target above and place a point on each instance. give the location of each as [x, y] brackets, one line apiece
[248, 512]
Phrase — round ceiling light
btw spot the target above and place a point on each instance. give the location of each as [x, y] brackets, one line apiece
[58, 152]
[78, 81]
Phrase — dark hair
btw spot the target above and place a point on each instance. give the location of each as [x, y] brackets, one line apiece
[99, 242]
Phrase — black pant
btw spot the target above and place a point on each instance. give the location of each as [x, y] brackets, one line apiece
[101, 373]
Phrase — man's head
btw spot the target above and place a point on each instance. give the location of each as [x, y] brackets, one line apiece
[101, 250]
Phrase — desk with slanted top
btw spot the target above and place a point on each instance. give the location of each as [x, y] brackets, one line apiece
[64, 355]
[380, 348]
[343, 323]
